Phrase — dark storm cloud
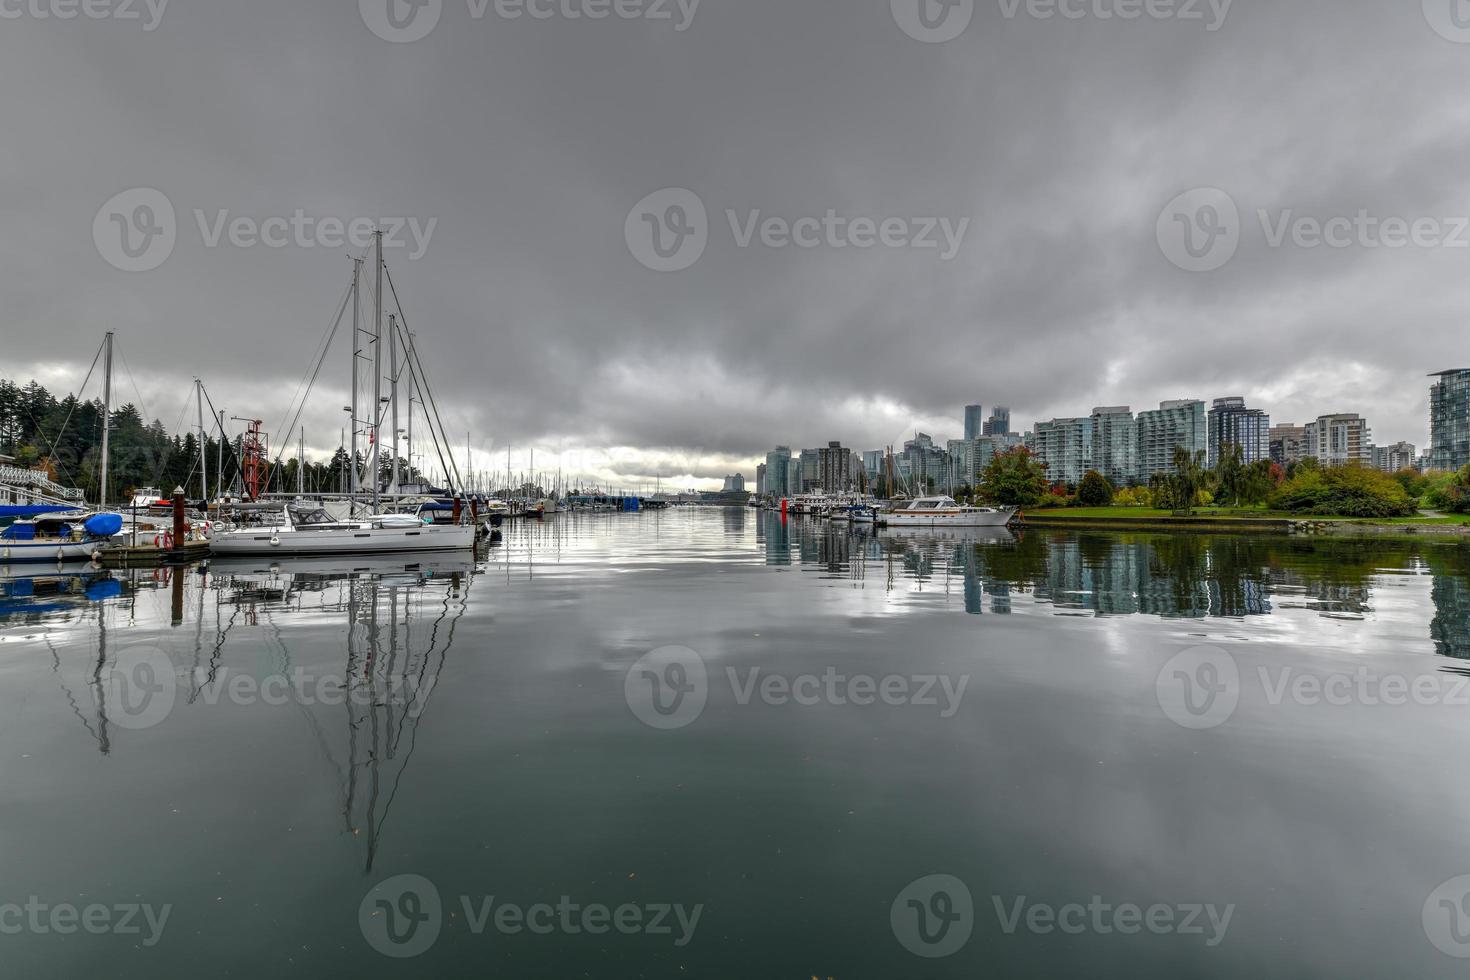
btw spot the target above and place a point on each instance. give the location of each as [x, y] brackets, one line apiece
[529, 140]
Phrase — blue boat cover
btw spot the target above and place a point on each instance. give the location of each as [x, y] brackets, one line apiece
[104, 525]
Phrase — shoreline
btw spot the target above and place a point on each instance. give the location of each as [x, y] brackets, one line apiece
[1215, 524]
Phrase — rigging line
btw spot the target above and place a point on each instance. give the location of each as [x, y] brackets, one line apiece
[51, 451]
[315, 373]
[223, 436]
[163, 461]
[321, 355]
[424, 381]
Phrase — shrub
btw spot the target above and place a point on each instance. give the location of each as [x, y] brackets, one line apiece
[1094, 491]
[1133, 497]
[1451, 493]
[1347, 491]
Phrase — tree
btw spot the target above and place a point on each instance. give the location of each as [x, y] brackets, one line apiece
[1230, 474]
[1013, 479]
[1343, 491]
[1095, 490]
[1179, 491]
[1451, 493]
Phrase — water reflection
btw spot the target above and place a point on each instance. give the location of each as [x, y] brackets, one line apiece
[1168, 576]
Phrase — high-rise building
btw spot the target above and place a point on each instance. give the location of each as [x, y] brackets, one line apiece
[811, 471]
[1115, 444]
[793, 476]
[999, 423]
[834, 469]
[777, 472]
[923, 465]
[974, 421]
[1065, 447]
[1231, 423]
[1449, 420]
[760, 480]
[1399, 456]
[1338, 439]
[1287, 443]
[1174, 424]
[874, 466]
[734, 484]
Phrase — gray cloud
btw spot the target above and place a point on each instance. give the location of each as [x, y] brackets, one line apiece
[529, 140]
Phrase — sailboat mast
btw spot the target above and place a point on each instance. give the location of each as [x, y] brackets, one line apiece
[393, 398]
[203, 442]
[301, 465]
[219, 468]
[106, 417]
[412, 389]
[354, 486]
[377, 372]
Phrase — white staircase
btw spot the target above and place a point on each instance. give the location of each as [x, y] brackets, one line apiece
[33, 487]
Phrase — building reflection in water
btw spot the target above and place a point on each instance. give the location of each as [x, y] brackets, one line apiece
[1185, 576]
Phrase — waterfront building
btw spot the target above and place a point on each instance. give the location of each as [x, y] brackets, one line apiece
[793, 476]
[811, 470]
[835, 473]
[1174, 424]
[999, 423]
[734, 484]
[874, 466]
[923, 465]
[1287, 443]
[1335, 440]
[974, 421]
[1065, 446]
[1231, 423]
[777, 473]
[1449, 420]
[760, 480]
[1115, 444]
[1399, 456]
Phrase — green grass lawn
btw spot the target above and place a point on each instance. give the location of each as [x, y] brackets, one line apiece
[1228, 513]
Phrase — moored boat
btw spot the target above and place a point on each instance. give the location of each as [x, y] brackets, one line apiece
[58, 537]
[943, 511]
[312, 531]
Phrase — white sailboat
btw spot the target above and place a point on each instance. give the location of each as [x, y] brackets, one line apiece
[943, 511]
[310, 530]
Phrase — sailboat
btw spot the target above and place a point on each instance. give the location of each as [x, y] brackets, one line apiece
[302, 528]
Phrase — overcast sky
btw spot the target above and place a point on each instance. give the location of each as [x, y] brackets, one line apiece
[535, 156]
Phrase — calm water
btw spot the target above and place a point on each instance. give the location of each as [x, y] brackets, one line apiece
[703, 744]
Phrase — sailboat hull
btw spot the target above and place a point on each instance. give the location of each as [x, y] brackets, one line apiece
[343, 541]
[52, 551]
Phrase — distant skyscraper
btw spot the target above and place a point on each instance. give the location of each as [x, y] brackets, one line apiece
[1449, 420]
[1288, 443]
[1115, 444]
[1173, 424]
[834, 469]
[777, 472]
[974, 421]
[793, 477]
[735, 484]
[1231, 423]
[999, 423]
[1338, 439]
[760, 480]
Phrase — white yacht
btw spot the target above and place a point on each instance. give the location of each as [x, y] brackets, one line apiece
[310, 530]
[945, 512]
[58, 537]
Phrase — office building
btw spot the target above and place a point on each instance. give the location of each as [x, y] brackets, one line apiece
[999, 423]
[734, 484]
[974, 421]
[777, 472]
[760, 480]
[1230, 422]
[835, 473]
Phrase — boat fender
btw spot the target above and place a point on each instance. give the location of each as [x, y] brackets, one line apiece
[275, 540]
[168, 541]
